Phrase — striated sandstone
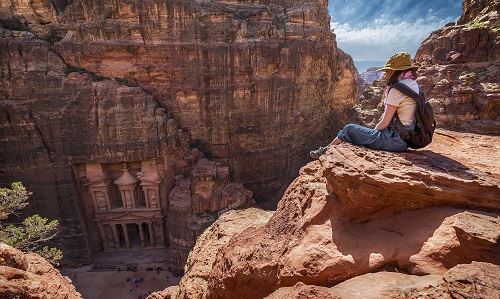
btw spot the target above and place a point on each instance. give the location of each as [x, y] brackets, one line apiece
[311, 239]
[480, 10]
[404, 181]
[27, 275]
[256, 81]
[72, 136]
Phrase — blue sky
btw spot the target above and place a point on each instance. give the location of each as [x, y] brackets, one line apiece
[374, 30]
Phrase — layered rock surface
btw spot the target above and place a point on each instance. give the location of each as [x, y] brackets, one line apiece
[236, 75]
[27, 275]
[312, 239]
[476, 280]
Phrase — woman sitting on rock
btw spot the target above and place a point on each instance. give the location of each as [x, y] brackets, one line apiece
[397, 69]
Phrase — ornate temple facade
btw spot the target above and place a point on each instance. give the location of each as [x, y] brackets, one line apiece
[125, 204]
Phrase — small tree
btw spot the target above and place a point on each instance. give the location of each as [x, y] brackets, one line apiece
[34, 230]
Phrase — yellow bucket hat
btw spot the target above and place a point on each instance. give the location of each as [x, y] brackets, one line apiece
[399, 62]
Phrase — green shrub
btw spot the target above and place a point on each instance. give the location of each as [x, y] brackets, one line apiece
[476, 24]
[32, 234]
[492, 86]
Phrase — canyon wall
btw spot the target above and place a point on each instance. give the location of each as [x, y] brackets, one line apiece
[254, 81]
[101, 103]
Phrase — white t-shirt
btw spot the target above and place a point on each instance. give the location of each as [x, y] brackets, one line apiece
[406, 106]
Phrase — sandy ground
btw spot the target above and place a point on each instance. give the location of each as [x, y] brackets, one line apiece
[100, 281]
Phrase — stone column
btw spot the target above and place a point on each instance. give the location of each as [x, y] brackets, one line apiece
[125, 235]
[141, 235]
[151, 234]
[115, 236]
[104, 240]
[162, 233]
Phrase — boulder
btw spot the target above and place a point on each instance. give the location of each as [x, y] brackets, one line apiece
[476, 280]
[27, 275]
[201, 259]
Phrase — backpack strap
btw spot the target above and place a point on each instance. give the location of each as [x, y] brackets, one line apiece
[410, 92]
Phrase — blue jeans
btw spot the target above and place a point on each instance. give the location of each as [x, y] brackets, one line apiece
[386, 139]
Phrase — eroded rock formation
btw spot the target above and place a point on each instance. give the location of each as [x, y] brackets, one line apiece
[460, 69]
[312, 239]
[476, 280]
[195, 283]
[101, 101]
[236, 75]
[27, 275]
[196, 202]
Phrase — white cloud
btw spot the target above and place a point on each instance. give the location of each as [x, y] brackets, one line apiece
[382, 38]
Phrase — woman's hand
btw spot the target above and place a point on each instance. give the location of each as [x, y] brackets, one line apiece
[386, 119]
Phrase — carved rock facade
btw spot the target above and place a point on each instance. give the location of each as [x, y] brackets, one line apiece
[196, 202]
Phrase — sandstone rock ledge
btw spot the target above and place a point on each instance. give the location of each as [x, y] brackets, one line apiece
[27, 275]
[357, 211]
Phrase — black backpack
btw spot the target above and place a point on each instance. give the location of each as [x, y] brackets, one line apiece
[425, 125]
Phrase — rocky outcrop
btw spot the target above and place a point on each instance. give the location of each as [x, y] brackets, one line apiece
[202, 258]
[27, 275]
[196, 202]
[371, 75]
[476, 280]
[480, 10]
[460, 69]
[369, 107]
[312, 239]
[404, 181]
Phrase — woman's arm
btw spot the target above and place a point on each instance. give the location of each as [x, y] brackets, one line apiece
[386, 119]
